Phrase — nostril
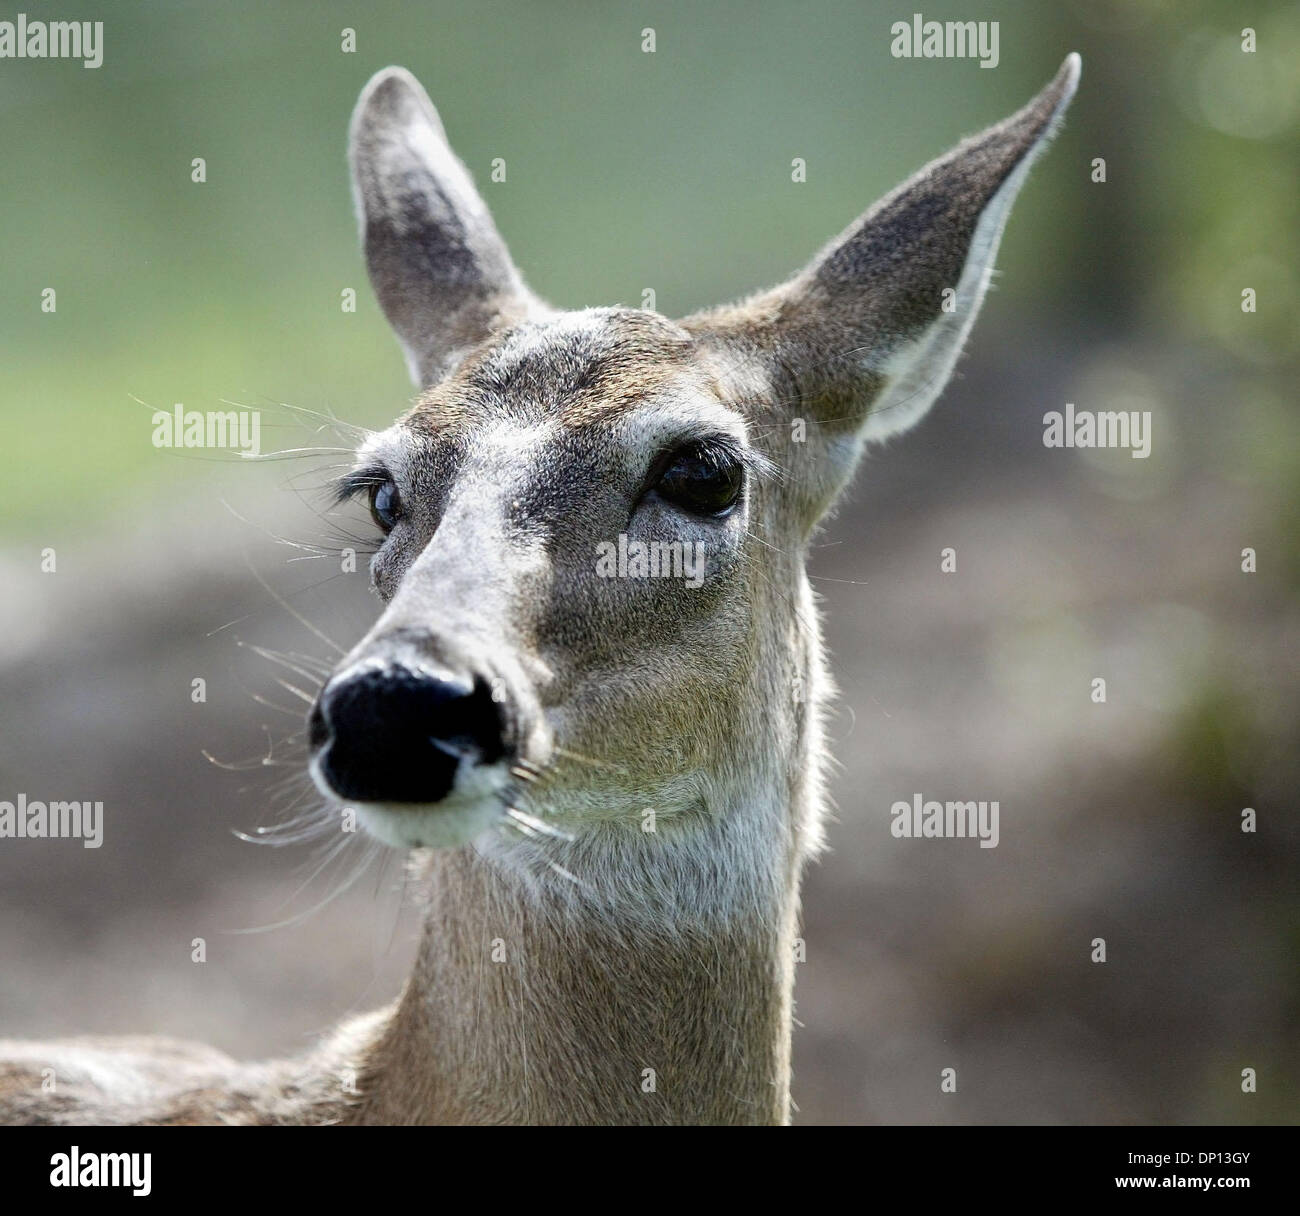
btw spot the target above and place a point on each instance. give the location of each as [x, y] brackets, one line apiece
[400, 734]
[480, 723]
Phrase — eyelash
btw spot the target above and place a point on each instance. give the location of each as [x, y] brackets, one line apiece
[359, 484]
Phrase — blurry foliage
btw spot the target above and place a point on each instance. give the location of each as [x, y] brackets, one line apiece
[625, 171]
[1215, 746]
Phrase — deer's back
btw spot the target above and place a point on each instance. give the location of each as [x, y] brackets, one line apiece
[133, 1080]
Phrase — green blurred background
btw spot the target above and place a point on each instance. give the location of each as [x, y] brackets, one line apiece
[625, 171]
[671, 171]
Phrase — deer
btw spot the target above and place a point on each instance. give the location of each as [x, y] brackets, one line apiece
[610, 781]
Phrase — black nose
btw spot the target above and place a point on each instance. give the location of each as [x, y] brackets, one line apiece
[393, 733]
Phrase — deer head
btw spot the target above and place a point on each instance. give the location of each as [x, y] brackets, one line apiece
[595, 522]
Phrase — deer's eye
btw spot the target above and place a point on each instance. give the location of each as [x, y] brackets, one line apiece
[385, 505]
[704, 480]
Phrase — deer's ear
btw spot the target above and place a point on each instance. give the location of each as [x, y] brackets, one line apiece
[866, 336]
[441, 271]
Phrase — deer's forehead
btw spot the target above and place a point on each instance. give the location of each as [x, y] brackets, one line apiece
[576, 369]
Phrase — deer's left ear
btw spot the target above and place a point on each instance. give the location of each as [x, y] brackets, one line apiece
[866, 336]
[441, 271]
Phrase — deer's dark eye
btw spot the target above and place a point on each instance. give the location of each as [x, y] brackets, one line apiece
[705, 480]
[385, 505]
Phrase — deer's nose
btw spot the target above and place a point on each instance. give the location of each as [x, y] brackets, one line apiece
[395, 733]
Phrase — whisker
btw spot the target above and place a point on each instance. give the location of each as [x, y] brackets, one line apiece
[537, 825]
[296, 691]
[581, 759]
[293, 612]
[363, 865]
[330, 421]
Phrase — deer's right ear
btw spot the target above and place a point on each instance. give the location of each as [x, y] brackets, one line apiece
[865, 338]
[442, 273]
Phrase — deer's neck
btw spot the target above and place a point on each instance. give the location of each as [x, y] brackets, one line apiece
[654, 986]
[625, 977]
